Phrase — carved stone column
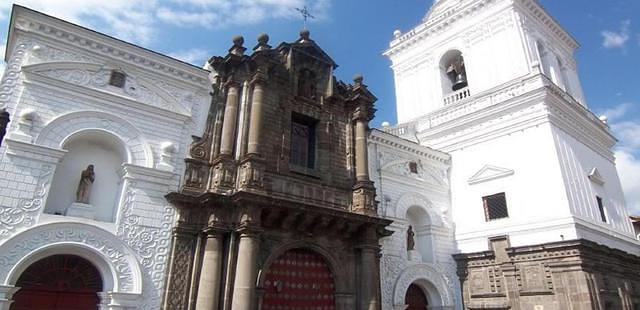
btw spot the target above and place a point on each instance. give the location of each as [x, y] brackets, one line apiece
[6, 296]
[211, 272]
[255, 124]
[230, 119]
[244, 289]
[251, 171]
[362, 160]
[246, 271]
[224, 167]
[369, 271]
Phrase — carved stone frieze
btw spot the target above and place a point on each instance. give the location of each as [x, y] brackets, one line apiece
[12, 71]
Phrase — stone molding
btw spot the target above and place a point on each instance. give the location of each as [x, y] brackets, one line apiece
[425, 272]
[55, 133]
[488, 173]
[11, 74]
[113, 256]
[64, 33]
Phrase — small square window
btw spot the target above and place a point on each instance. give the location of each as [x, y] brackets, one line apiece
[117, 79]
[303, 141]
[603, 214]
[495, 207]
[413, 167]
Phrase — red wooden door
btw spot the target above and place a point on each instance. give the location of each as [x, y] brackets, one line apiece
[299, 280]
[415, 298]
[58, 282]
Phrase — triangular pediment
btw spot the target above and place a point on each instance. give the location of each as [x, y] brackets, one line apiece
[488, 173]
[596, 177]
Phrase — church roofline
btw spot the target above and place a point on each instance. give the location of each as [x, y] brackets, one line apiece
[59, 30]
[437, 24]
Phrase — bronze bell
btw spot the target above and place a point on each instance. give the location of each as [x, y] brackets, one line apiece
[460, 82]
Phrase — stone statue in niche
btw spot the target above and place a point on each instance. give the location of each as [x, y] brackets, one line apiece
[411, 242]
[83, 193]
[307, 84]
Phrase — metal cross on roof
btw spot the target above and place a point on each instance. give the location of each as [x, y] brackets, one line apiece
[305, 14]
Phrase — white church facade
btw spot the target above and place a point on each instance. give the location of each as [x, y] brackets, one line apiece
[500, 182]
[80, 98]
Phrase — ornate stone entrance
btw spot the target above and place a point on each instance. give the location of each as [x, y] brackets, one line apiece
[299, 279]
[59, 282]
[415, 298]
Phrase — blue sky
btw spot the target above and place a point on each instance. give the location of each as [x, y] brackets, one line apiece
[356, 32]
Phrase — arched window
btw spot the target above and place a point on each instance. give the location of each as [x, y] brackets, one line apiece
[106, 153]
[563, 79]
[545, 66]
[453, 72]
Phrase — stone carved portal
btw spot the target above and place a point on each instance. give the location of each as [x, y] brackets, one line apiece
[299, 279]
[415, 298]
[59, 282]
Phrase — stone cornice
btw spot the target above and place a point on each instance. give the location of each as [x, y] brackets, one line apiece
[29, 21]
[384, 138]
[148, 174]
[437, 24]
[539, 14]
[33, 151]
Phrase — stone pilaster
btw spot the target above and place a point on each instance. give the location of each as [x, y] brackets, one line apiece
[180, 266]
[369, 271]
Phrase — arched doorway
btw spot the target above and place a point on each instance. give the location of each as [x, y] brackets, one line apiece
[59, 282]
[299, 279]
[415, 298]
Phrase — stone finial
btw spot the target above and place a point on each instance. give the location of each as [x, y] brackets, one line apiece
[357, 79]
[397, 33]
[237, 48]
[305, 35]
[604, 119]
[263, 40]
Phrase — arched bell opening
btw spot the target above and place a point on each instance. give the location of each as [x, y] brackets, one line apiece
[420, 230]
[105, 153]
[59, 282]
[298, 279]
[453, 72]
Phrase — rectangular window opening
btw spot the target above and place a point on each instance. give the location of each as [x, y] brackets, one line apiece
[303, 141]
[603, 214]
[495, 207]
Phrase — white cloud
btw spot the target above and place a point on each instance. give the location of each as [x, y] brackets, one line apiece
[628, 132]
[137, 20]
[195, 56]
[629, 169]
[613, 39]
[618, 112]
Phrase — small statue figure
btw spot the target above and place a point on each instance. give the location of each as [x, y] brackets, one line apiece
[411, 243]
[84, 187]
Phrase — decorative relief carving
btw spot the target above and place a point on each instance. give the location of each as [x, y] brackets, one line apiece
[178, 290]
[150, 243]
[134, 88]
[12, 71]
[43, 53]
[25, 213]
[534, 278]
[426, 273]
[26, 243]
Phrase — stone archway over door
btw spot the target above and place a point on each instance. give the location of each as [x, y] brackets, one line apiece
[299, 279]
[59, 282]
[415, 298]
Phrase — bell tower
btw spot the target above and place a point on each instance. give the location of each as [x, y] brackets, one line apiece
[494, 84]
[468, 48]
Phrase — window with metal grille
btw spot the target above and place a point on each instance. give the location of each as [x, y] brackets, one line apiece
[413, 167]
[117, 79]
[495, 207]
[603, 214]
[303, 141]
